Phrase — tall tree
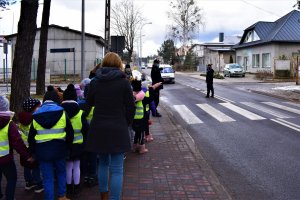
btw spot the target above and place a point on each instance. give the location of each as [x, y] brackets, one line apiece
[126, 20]
[187, 18]
[21, 70]
[41, 70]
[167, 51]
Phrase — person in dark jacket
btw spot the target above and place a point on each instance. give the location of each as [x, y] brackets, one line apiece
[10, 139]
[50, 136]
[209, 80]
[111, 95]
[94, 70]
[80, 126]
[156, 78]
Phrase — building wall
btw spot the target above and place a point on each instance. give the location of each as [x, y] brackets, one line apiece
[275, 51]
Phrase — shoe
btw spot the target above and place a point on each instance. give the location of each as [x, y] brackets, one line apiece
[149, 138]
[104, 195]
[39, 188]
[206, 96]
[29, 186]
[70, 189]
[76, 189]
[157, 115]
[212, 96]
[135, 148]
[143, 149]
[63, 198]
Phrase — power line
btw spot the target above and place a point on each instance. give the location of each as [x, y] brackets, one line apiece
[260, 8]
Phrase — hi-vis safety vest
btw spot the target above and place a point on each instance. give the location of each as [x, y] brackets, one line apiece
[90, 115]
[24, 133]
[77, 126]
[4, 143]
[139, 110]
[147, 94]
[56, 132]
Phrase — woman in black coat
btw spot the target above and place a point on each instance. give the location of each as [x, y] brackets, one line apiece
[156, 78]
[111, 94]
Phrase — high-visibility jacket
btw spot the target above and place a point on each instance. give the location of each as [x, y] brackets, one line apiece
[24, 133]
[90, 115]
[56, 132]
[139, 110]
[4, 143]
[77, 126]
[147, 94]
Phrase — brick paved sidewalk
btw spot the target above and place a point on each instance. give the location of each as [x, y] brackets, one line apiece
[171, 170]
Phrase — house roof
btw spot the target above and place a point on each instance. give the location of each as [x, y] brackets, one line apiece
[99, 39]
[285, 29]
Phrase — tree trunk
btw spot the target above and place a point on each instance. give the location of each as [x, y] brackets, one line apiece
[41, 70]
[21, 71]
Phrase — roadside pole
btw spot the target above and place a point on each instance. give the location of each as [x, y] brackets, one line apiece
[297, 71]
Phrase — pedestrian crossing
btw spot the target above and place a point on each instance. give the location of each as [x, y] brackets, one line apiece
[278, 113]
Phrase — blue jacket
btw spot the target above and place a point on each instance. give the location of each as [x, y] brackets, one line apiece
[47, 116]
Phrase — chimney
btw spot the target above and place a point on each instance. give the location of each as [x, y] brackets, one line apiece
[221, 37]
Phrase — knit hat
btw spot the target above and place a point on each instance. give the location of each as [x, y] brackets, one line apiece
[70, 93]
[127, 66]
[4, 103]
[30, 104]
[51, 95]
[85, 81]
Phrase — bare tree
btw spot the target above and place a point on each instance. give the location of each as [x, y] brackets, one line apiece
[21, 71]
[126, 20]
[41, 70]
[187, 19]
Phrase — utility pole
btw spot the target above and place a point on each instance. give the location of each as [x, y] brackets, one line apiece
[82, 41]
[107, 26]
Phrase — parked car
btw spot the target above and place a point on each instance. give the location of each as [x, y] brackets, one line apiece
[167, 73]
[233, 69]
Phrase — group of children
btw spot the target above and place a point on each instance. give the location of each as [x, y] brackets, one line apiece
[50, 138]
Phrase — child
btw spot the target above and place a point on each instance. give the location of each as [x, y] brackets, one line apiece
[138, 122]
[50, 136]
[10, 139]
[31, 173]
[80, 126]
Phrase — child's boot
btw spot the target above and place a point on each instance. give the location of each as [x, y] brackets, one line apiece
[135, 147]
[143, 149]
[70, 189]
[76, 189]
[63, 198]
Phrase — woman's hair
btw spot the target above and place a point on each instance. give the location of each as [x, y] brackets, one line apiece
[96, 67]
[112, 60]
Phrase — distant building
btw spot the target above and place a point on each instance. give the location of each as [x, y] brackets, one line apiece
[263, 43]
[216, 53]
[61, 63]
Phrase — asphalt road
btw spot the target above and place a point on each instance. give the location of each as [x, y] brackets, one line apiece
[251, 141]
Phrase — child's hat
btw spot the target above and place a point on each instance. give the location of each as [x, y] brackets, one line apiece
[30, 104]
[4, 103]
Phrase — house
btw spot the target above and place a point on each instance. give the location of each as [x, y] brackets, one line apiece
[216, 53]
[63, 63]
[264, 44]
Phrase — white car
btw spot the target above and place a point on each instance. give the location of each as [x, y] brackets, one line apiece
[233, 69]
[167, 73]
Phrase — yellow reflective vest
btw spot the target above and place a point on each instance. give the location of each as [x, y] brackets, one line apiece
[147, 94]
[139, 110]
[77, 126]
[24, 133]
[4, 143]
[56, 132]
[90, 115]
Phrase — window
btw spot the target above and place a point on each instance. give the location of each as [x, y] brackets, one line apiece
[255, 60]
[251, 36]
[266, 60]
[240, 60]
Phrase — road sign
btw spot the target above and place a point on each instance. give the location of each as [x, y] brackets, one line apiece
[62, 50]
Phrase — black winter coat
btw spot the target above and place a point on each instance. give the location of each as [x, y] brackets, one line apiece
[111, 94]
[210, 76]
[156, 75]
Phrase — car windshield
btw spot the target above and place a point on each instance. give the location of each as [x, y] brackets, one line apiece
[235, 66]
[167, 70]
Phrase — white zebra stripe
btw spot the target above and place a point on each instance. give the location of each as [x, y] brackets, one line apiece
[293, 110]
[221, 117]
[243, 112]
[187, 115]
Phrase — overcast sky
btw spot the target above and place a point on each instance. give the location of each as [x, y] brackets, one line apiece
[228, 16]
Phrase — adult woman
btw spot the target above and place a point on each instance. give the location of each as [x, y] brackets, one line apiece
[111, 94]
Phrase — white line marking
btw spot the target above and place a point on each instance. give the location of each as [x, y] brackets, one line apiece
[290, 123]
[293, 110]
[187, 115]
[243, 112]
[291, 103]
[286, 124]
[266, 110]
[221, 117]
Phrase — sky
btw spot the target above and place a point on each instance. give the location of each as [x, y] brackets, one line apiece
[231, 17]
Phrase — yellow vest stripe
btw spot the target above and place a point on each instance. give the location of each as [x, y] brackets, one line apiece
[139, 111]
[4, 143]
[77, 126]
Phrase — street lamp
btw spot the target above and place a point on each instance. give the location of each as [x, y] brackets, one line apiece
[141, 48]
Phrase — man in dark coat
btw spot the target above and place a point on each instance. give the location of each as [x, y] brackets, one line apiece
[156, 78]
[209, 80]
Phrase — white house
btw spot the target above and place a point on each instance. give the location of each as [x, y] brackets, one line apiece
[61, 63]
[264, 43]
